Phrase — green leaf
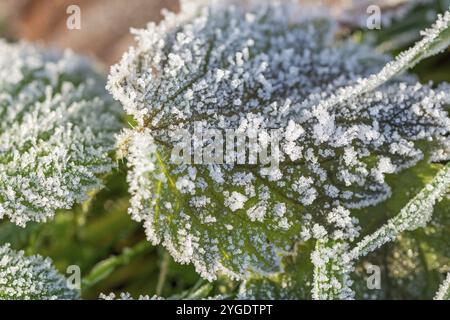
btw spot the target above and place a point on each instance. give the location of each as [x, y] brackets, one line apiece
[435, 40]
[406, 27]
[30, 278]
[241, 219]
[331, 272]
[411, 265]
[294, 282]
[444, 290]
[104, 268]
[414, 215]
[201, 292]
[56, 129]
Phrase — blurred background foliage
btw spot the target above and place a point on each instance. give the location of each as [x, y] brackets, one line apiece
[112, 250]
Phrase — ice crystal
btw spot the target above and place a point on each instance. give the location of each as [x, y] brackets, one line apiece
[344, 123]
[331, 274]
[56, 128]
[444, 290]
[126, 296]
[31, 277]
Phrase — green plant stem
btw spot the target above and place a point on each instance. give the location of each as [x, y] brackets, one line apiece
[163, 273]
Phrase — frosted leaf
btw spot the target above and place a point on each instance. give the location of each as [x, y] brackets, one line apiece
[435, 40]
[201, 292]
[295, 282]
[333, 260]
[32, 277]
[243, 69]
[442, 152]
[405, 272]
[444, 290]
[126, 296]
[414, 215]
[56, 127]
[331, 273]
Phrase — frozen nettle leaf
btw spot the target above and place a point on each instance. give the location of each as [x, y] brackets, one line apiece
[444, 290]
[57, 126]
[260, 69]
[32, 277]
[126, 296]
[417, 213]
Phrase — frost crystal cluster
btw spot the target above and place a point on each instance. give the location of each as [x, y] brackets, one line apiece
[56, 128]
[30, 277]
[125, 296]
[341, 131]
[444, 290]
